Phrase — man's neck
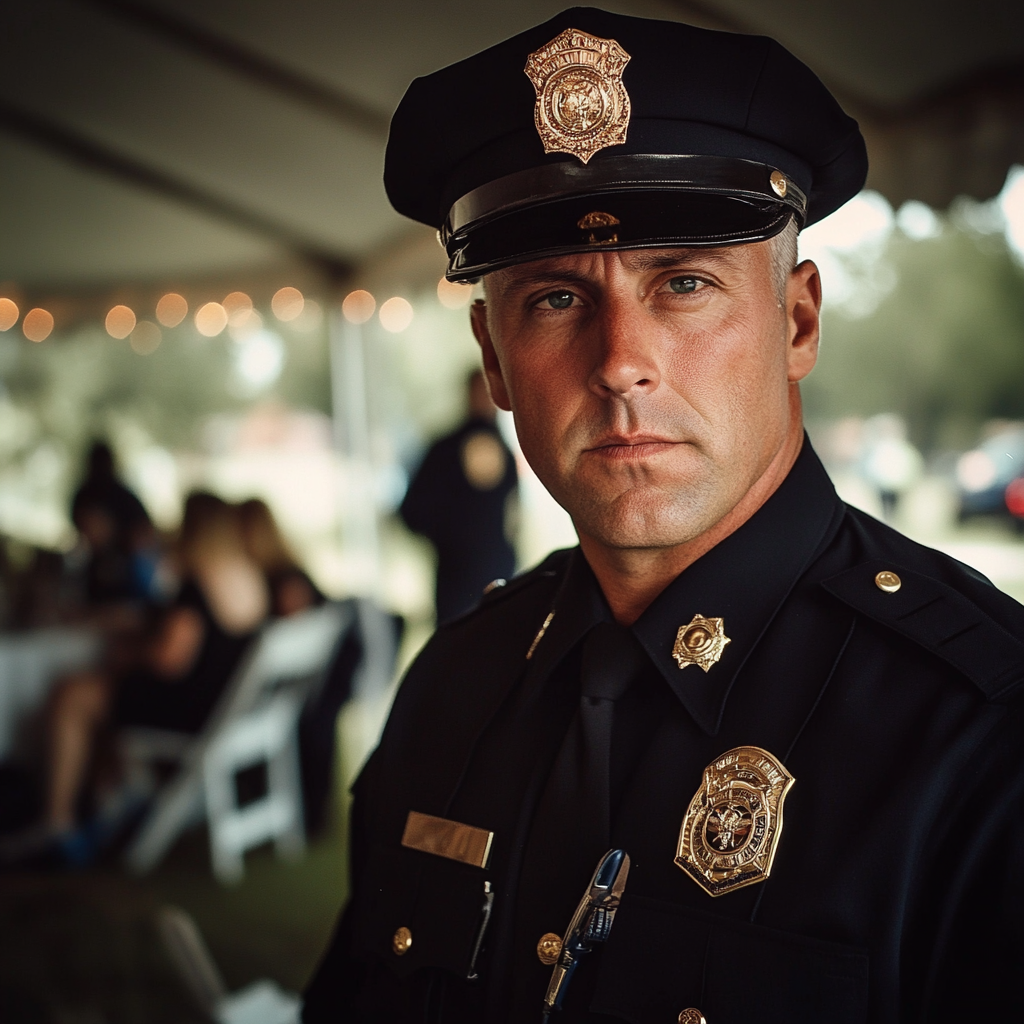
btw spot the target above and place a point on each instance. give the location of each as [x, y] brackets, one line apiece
[631, 578]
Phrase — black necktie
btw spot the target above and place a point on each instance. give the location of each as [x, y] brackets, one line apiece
[571, 827]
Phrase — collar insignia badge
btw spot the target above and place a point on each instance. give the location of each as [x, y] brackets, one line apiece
[582, 106]
[700, 642]
[734, 821]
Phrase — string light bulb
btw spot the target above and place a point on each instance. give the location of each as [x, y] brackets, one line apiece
[287, 303]
[211, 319]
[38, 324]
[120, 322]
[358, 306]
[171, 309]
[395, 314]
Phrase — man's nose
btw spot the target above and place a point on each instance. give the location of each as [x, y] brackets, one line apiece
[626, 362]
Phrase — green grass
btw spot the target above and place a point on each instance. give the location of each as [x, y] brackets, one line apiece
[81, 948]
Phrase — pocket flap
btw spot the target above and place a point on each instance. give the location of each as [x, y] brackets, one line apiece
[662, 958]
[440, 903]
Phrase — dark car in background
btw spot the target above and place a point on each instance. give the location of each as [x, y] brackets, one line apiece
[984, 473]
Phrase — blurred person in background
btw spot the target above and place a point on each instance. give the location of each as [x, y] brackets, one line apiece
[459, 500]
[116, 533]
[176, 678]
[292, 592]
[890, 463]
[291, 589]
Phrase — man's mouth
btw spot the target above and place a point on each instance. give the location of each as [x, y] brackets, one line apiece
[630, 447]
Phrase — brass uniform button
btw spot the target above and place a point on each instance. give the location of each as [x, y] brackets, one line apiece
[549, 948]
[691, 1016]
[401, 941]
[888, 582]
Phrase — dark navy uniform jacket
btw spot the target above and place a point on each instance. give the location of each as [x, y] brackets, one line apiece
[897, 891]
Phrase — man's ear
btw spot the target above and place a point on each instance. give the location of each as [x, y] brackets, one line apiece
[803, 328]
[492, 367]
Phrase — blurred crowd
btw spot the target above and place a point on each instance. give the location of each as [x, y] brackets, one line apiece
[174, 615]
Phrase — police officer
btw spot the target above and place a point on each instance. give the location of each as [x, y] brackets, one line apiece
[800, 732]
[462, 499]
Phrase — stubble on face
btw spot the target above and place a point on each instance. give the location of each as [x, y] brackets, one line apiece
[647, 413]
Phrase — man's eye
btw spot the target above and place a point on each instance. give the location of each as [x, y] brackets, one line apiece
[559, 300]
[682, 285]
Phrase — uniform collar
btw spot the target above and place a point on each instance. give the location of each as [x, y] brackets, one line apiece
[743, 580]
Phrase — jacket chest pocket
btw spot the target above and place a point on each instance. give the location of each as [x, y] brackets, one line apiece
[423, 911]
[662, 959]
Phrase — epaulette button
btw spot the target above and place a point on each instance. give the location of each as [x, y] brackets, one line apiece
[888, 582]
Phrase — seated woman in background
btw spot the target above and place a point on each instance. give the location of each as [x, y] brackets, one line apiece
[291, 590]
[184, 668]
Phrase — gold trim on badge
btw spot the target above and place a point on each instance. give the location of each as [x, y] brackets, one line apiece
[734, 821]
[700, 642]
[450, 839]
[582, 106]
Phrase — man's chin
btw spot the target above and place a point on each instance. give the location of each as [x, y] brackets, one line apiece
[639, 523]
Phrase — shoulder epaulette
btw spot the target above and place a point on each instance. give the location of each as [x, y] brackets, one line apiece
[937, 617]
[501, 590]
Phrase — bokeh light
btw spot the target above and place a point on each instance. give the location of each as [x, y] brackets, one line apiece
[9, 314]
[38, 324]
[145, 338]
[358, 306]
[453, 296]
[171, 309]
[211, 319]
[287, 303]
[238, 306]
[395, 314]
[120, 322]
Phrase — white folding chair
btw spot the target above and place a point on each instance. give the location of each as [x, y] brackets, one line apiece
[254, 723]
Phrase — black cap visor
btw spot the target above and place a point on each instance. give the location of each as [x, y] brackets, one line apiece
[623, 202]
[649, 219]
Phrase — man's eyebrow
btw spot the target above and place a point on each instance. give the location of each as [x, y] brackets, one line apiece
[660, 259]
[550, 275]
[635, 259]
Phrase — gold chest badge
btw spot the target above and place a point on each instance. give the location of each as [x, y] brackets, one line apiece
[582, 105]
[734, 821]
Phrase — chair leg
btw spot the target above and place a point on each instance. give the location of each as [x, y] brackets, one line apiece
[284, 784]
[168, 817]
[226, 859]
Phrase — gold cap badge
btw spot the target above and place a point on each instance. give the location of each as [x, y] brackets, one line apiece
[732, 826]
[582, 105]
[700, 642]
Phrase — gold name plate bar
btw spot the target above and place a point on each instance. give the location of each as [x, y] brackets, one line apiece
[445, 838]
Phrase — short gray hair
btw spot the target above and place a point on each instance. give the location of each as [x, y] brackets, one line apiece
[782, 253]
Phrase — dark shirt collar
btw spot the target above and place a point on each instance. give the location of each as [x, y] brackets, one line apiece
[743, 580]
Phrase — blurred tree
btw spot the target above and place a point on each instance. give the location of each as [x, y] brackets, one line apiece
[944, 347]
[77, 385]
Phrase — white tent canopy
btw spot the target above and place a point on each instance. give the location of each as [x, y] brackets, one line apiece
[146, 141]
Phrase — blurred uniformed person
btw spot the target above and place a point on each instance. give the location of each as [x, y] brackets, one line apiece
[459, 500]
[803, 729]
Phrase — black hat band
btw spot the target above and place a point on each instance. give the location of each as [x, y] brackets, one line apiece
[623, 202]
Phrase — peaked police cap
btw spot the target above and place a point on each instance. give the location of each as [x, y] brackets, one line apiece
[598, 129]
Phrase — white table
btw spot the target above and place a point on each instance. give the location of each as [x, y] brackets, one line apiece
[29, 664]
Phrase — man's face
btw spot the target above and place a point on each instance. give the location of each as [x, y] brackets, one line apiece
[651, 388]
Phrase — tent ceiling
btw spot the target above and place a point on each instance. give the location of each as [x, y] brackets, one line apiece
[146, 140]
